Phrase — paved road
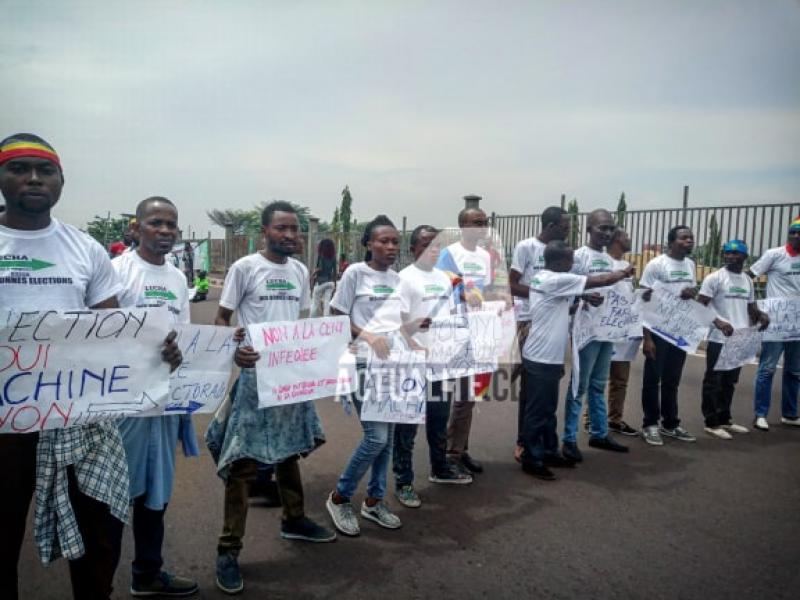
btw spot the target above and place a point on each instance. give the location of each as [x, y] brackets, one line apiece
[708, 520]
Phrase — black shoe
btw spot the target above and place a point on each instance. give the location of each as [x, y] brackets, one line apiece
[559, 462]
[538, 471]
[472, 465]
[622, 428]
[165, 584]
[607, 443]
[305, 529]
[569, 450]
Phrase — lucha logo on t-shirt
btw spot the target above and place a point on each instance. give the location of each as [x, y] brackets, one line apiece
[678, 275]
[382, 289]
[279, 285]
[471, 267]
[158, 292]
[20, 262]
[599, 263]
[433, 288]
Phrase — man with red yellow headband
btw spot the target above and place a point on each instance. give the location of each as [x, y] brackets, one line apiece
[79, 474]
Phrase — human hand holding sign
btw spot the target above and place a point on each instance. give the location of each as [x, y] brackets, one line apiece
[170, 353]
[245, 356]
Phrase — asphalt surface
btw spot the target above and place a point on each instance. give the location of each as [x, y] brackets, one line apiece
[715, 519]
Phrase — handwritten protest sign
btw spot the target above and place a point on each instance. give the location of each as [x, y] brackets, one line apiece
[582, 334]
[201, 382]
[486, 339]
[449, 348]
[626, 351]
[682, 323]
[300, 360]
[784, 319]
[508, 326]
[617, 318]
[739, 349]
[64, 368]
[395, 388]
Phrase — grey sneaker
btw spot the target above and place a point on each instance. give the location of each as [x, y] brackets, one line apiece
[407, 496]
[229, 579]
[381, 515]
[651, 436]
[344, 516]
[679, 433]
[164, 584]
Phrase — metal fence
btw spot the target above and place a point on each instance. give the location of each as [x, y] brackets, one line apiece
[762, 226]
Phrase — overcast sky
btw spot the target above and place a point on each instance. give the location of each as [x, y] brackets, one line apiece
[413, 105]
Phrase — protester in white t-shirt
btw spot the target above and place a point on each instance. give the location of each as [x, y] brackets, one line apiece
[470, 268]
[730, 293]
[57, 267]
[552, 293]
[782, 267]
[427, 294]
[594, 358]
[527, 260]
[369, 293]
[266, 286]
[620, 370]
[663, 364]
[149, 280]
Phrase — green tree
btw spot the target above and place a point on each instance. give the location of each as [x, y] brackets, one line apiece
[574, 223]
[622, 208]
[710, 252]
[106, 231]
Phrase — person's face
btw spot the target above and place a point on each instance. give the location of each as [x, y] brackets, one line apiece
[601, 229]
[31, 185]
[384, 245]
[623, 240]
[426, 250]
[684, 241]
[282, 233]
[734, 260]
[793, 239]
[158, 229]
[562, 229]
[473, 228]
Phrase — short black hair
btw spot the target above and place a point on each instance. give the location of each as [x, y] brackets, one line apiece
[672, 234]
[144, 205]
[555, 251]
[552, 216]
[276, 206]
[379, 221]
[592, 216]
[418, 232]
[462, 215]
[26, 137]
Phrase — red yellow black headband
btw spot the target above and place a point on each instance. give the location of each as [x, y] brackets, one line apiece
[24, 149]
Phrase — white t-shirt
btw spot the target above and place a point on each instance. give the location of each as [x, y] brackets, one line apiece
[674, 275]
[527, 260]
[427, 294]
[260, 290]
[782, 271]
[145, 284]
[587, 261]
[730, 294]
[475, 266]
[550, 298]
[371, 298]
[56, 268]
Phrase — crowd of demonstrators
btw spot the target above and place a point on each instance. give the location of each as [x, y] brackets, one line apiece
[88, 478]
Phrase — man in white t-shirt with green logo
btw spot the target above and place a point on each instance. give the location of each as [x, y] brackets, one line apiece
[730, 293]
[266, 286]
[782, 267]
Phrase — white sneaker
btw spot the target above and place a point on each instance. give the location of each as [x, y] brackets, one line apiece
[381, 514]
[651, 436]
[734, 428]
[718, 432]
[761, 423]
[787, 421]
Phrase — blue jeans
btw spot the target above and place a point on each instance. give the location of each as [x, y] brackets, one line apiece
[595, 361]
[374, 450]
[770, 354]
